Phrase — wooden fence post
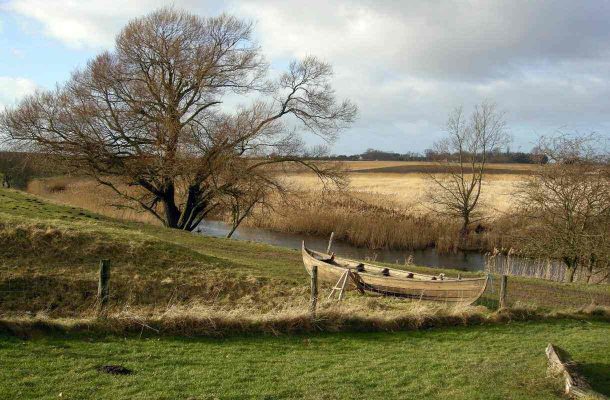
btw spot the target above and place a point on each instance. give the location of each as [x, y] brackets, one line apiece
[503, 289]
[314, 291]
[330, 242]
[102, 287]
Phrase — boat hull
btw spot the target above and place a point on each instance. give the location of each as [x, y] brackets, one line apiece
[396, 283]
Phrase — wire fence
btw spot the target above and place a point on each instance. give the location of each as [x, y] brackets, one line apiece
[552, 270]
[62, 292]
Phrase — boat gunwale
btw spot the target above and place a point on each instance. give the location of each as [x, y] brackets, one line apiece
[309, 252]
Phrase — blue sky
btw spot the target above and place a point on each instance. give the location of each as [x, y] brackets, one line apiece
[406, 64]
[28, 53]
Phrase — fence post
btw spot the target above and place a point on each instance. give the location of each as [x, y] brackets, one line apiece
[314, 291]
[102, 287]
[330, 242]
[503, 289]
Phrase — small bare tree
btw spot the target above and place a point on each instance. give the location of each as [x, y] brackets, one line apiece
[463, 155]
[147, 116]
[567, 205]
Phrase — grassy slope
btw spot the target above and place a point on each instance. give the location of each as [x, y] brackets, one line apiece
[18, 207]
[493, 362]
[49, 253]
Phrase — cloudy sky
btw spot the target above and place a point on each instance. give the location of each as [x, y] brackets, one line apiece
[406, 64]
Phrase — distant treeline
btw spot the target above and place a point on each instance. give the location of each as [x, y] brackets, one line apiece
[431, 155]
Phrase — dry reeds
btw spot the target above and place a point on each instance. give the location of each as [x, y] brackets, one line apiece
[366, 221]
[86, 193]
[505, 263]
[378, 211]
[333, 318]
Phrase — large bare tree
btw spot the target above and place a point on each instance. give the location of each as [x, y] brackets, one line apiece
[566, 203]
[149, 115]
[463, 156]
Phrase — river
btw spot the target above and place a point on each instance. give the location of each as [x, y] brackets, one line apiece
[465, 261]
[462, 260]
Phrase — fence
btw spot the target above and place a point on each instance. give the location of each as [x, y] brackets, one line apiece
[60, 291]
[552, 270]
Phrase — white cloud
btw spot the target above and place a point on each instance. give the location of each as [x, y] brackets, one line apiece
[407, 64]
[90, 24]
[14, 88]
[460, 40]
[78, 24]
[18, 53]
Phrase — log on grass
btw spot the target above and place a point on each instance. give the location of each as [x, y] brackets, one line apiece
[576, 386]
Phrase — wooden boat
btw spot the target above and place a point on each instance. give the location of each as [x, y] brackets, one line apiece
[370, 278]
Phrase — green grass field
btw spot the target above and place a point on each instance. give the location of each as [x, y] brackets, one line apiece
[493, 362]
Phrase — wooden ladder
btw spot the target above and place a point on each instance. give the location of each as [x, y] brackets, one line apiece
[340, 285]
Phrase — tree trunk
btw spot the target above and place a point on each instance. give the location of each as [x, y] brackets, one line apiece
[571, 272]
[589, 274]
[464, 229]
[591, 267]
[238, 220]
[172, 213]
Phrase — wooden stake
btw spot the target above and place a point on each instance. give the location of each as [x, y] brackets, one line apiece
[103, 287]
[314, 291]
[330, 242]
[503, 289]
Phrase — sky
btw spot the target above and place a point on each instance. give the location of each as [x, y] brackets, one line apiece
[406, 64]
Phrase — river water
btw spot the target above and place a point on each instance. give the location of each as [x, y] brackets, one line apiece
[465, 261]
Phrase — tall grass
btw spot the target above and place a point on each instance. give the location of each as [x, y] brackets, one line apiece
[368, 220]
[195, 320]
[88, 194]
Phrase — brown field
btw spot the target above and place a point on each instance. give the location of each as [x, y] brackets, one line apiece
[424, 166]
[409, 191]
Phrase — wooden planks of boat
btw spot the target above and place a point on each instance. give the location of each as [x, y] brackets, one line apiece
[393, 282]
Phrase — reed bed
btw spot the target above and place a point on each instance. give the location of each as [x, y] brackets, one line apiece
[372, 221]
